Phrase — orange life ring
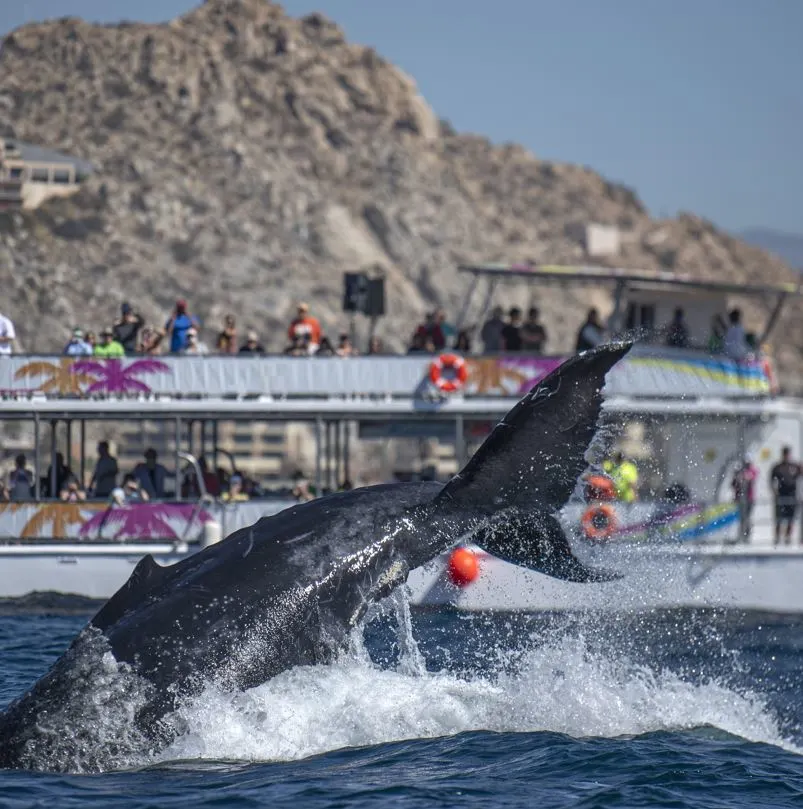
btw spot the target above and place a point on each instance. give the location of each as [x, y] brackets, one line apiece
[453, 362]
[599, 521]
[599, 487]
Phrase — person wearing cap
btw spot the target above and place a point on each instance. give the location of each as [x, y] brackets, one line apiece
[127, 328]
[251, 344]
[108, 347]
[743, 484]
[177, 326]
[77, 346]
[304, 325]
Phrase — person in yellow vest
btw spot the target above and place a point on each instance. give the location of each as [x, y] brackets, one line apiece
[624, 475]
[108, 346]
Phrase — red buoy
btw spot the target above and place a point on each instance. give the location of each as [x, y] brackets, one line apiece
[464, 567]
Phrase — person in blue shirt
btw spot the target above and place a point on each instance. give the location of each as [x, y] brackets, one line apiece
[78, 347]
[178, 325]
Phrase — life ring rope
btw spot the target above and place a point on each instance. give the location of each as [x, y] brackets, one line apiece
[448, 362]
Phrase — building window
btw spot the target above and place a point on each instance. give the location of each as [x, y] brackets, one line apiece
[61, 176]
[40, 175]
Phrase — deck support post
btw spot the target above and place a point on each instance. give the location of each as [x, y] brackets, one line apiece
[318, 451]
[37, 470]
[467, 302]
[346, 451]
[615, 320]
[53, 452]
[68, 442]
[177, 459]
[82, 438]
[773, 319]
[460, 440]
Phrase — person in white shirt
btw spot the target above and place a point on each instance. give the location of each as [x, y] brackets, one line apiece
[735, 343]
[7, 335]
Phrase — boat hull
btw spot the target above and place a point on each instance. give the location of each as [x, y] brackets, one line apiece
[663, 577]
[738, 578]
[95, 572]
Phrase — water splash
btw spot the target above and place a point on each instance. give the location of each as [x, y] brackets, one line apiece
[560, 683]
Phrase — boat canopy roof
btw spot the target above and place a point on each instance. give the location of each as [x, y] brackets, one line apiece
[551, 273]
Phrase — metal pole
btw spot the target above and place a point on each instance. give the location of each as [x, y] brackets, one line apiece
[214, 445]
[329, 425]
[68, 454]
[614, 321]
[459, 440]
[486, 303]
[82, 433]
[773, 319]
[740, 441]
[53, 451]
[467, 302]
[37, 469]
[318, 475]
[347, 451]
[190, 436]
[338, 425]
[178, 457]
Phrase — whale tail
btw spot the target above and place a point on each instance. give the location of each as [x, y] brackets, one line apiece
[528, 467]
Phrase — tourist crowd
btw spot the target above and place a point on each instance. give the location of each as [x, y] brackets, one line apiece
[148, 480]
[503, 332]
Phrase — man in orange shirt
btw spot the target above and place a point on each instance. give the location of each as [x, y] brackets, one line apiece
[306, 325]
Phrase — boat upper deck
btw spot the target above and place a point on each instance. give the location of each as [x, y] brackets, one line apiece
[388, 385]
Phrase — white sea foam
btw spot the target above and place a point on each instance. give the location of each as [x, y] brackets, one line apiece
[559, 686]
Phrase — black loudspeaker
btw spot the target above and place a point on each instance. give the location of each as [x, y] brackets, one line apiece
[375, 299]
[355, 287]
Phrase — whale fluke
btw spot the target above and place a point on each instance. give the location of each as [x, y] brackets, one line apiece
[527, 469]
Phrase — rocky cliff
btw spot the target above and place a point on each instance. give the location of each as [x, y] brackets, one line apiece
[244, 159]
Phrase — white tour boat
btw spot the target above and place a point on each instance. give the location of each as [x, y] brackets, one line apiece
[687, 418]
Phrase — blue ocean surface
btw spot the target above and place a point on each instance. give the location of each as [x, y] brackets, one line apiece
[445, 709]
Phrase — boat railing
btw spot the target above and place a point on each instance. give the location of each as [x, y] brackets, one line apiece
[655, 520]
[714, 522]
[649, 370]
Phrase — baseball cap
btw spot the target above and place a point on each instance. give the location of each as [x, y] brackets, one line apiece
[125, 308]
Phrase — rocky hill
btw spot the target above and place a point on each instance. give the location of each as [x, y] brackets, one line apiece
[245, 159]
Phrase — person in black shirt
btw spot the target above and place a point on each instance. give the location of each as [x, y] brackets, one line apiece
[511, 332]
[783, 480]
[127, 328]
[591, 333]
[533, 333]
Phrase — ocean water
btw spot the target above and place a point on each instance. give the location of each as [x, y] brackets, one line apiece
[443, 709]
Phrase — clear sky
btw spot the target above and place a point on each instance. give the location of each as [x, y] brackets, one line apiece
[697, 104]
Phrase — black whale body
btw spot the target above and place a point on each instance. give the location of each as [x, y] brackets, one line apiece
[288, 590]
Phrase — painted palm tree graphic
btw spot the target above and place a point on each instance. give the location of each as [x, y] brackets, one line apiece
[112, 376]
[62, 377]
[144, 520]
[488, 375]
[59, 515]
